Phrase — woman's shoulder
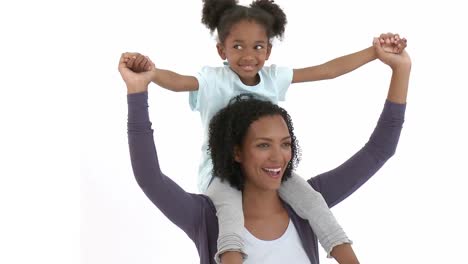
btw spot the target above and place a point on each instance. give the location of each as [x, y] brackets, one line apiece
[206, 230]
[208, 204]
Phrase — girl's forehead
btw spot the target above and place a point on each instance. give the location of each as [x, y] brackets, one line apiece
[247, 30]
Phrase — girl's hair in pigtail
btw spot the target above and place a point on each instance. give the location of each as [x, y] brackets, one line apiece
[221, 15]
[279, 17]
[213, 10]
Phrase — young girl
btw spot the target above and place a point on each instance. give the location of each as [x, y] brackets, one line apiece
[244, 40]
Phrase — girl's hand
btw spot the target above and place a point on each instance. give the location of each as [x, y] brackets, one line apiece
[138, 62]
[392, 43]
[136, 82]
[394, 60]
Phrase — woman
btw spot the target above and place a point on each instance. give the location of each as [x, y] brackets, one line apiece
[260, 172]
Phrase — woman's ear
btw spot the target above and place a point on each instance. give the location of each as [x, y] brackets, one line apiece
[237, 154]
[221, 51]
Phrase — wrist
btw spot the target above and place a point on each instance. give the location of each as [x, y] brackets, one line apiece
[402, 67]
[132, 88]
[372, 53]
[155, 73]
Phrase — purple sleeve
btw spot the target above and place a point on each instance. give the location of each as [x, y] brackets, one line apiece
[182, 208]
[339, 183]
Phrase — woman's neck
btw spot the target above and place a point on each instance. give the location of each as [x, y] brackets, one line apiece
[259, 204]
[264, 214]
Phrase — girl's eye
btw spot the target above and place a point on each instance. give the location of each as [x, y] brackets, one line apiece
[238, 47]
[258, 47]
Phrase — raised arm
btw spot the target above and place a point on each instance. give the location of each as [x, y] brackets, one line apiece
[390, 42]
[182, 208]
[335, 67]
[167, 79]
[337, 184]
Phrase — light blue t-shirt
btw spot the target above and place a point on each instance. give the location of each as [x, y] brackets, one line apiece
[216, 86]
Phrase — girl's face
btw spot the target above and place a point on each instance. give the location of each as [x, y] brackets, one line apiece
[246, 48]
[265, 153]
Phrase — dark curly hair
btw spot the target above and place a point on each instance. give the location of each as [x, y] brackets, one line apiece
[221, 15]
[228, 129]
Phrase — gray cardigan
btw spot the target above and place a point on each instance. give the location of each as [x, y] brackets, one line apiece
[195, 214]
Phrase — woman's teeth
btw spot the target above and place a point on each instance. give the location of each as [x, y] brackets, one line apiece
[272, 172]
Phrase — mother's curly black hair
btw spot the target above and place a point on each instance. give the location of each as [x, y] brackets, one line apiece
[229, 127]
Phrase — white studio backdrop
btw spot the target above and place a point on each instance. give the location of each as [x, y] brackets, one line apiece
[411, 211]
[39, 132]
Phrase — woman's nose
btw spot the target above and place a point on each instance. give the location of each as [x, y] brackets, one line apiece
[275, 154]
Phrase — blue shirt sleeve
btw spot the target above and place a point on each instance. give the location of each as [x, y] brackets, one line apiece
[182, 208]
[282, 78]
[339, 183]
[203, 78]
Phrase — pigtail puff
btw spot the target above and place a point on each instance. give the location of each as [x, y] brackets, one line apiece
[213, 10]
[276, 12]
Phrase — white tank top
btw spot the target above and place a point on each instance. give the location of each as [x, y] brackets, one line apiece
[286, 249]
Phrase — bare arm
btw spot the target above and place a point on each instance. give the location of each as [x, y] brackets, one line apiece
[380, 147]
[401, 68]
[165, 78]
[174, 81]
[344, 254]
[339, 183]
[335, 67]
[389, 42]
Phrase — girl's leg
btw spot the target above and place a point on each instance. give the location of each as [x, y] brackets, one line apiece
[228, 203]
[310, 205]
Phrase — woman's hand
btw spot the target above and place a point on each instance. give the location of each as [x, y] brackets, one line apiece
[394, 60]
[138, 62]
[392, 43]
[401, 68]
[136, 82]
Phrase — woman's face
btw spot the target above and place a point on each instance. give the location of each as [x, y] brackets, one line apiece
[265, 153]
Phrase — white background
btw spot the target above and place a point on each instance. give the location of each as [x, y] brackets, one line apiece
[412, 211]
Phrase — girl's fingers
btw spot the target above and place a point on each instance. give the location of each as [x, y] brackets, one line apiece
[131, 62]
[145, 65]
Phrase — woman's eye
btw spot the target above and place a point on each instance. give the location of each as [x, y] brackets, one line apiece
[287, 144]
[263, 145]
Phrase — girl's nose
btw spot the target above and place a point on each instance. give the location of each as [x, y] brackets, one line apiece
[248, 54]
[248, 58]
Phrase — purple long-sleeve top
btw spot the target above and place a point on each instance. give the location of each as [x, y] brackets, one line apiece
[195, 214]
